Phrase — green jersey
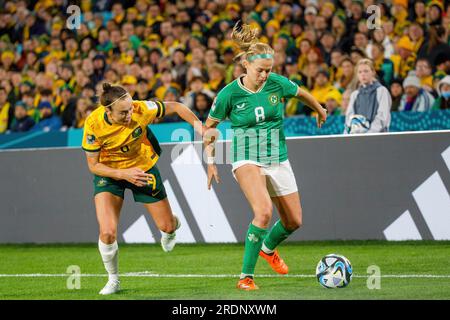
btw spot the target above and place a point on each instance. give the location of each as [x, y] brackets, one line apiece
[256, 118]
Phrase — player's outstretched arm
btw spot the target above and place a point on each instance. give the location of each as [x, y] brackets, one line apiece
[209, 139]
[186, 114]
[135, 176]
[311, 102]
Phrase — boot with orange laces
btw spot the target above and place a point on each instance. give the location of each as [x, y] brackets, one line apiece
[275, 261]
[247, 284]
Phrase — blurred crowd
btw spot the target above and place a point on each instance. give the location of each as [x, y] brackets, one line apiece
[52, 65]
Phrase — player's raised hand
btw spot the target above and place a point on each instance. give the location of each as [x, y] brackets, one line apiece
[212, 173]
[322, 117]
[210, 135]
[136, 176]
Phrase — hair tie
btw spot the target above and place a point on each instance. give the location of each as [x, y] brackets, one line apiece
[260, 56]
[109, 105]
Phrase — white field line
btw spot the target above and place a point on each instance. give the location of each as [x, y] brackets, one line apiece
[147, 274]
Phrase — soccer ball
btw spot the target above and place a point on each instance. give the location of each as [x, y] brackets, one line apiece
[334, 271]
[358, 124]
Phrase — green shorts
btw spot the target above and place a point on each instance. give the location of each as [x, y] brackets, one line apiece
[153, 192]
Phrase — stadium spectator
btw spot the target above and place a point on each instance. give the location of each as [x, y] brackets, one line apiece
[384, 67]
[416, 34]
[130, 84]
[405, 59]
[48, 121]
[99, 68]
[370, 106]
[66, 106]
[424, 72]
[172, 94]
[217, 75]
[442, 63]
[238, 70]
[322, 87]
[435, 10]
[180, 67]
[339, 30]
[345, 101]
[6, 111]
[142, 90]
[327, 43]
[357, 54]
[435, 44]
[346, 77]
[420, 12]
[88, 91]
[310, 16]
[336, 58]
[333, 101]
[196, 86]
[415, 98]
[396, 90]
[164, 83]
[305, 45]
[443, 101]
[379, 36]
[30, 104]
[22, 121]
[7, 60]
[227, 57]
[83, 108]
[202, 106]
[361, 42]
[145, 38]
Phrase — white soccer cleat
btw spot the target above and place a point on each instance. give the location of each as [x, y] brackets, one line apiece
[168, 240]
[112, 286]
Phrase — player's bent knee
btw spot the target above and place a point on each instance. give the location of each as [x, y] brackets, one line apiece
[108, 236]
[294, 225]
[263, 214]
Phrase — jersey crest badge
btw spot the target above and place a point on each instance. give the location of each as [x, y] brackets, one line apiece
[90, 139]
[102, 182]
[273, 99]
[137, 132]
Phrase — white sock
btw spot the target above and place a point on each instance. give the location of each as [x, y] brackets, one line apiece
[244, 275]
[110, 255]
[266, 250]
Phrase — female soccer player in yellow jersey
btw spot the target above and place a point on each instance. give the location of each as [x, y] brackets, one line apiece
[253, 103]
[120, 155]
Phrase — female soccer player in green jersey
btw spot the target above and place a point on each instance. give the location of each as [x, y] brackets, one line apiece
[259, 156]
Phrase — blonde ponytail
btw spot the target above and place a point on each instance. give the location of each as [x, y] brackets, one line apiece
[247, 39]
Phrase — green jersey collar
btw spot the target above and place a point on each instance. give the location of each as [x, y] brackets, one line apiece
[241, 84]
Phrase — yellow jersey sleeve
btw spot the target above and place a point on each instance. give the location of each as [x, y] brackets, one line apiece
[90, 140]
[151, 109]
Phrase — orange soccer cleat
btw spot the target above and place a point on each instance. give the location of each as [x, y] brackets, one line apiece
[247, 284]
[275, 261]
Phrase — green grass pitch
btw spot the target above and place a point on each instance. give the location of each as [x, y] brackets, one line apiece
[409, 270]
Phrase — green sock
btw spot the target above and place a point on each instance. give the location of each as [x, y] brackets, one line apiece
[277, 234]
[253, 243]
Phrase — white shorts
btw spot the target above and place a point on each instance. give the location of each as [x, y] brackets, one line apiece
[280, 177]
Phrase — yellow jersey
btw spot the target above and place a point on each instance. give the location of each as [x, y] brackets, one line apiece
[123, 146]
[4, 117]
